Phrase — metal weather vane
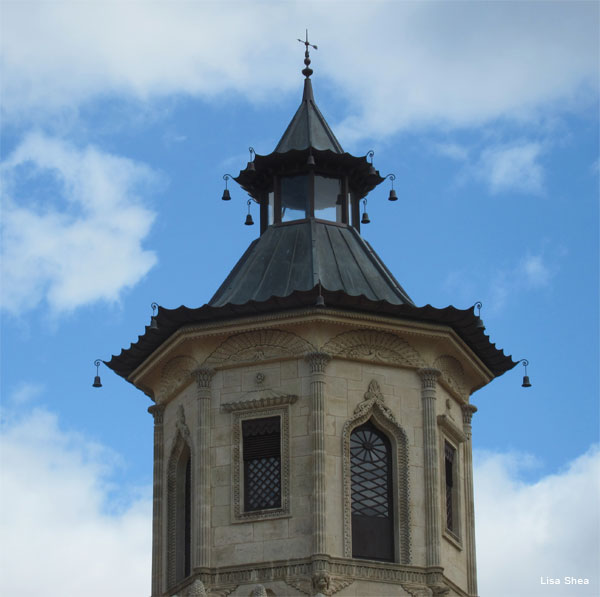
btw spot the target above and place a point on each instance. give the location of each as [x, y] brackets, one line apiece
[307, 71]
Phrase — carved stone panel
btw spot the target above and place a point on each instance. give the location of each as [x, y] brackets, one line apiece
[374, 345]
[177, 373]
[452, 373]
[256, 346]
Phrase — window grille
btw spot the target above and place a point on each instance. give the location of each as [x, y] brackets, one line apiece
[262, 463]
[372, 500]
[449, 460]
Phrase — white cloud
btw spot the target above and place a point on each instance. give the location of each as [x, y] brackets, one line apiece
[57, 520]
[530, 530]
[535, 271]
[81, 241]
[512, 168]
[25, 392]
[399, 64]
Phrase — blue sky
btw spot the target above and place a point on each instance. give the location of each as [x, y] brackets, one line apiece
[119, 121]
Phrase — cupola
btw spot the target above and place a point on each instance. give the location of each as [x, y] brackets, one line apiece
[309, 175]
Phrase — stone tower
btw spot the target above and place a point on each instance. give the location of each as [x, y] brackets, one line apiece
[312, 425]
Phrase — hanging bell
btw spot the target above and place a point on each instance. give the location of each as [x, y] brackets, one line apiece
[249, 221]
[479, 324]
[311, 160]
[226, 196]
[393, 196]
[97, 383]
[250, 167]
[526, 383]
[365, 218]
[372, 171]
[153, 323]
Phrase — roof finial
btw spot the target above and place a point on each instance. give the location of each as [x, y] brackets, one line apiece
[307, 71]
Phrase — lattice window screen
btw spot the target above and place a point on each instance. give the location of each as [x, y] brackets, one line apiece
[262, 463]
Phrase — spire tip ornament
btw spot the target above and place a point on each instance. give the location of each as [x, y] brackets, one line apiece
[307, 71]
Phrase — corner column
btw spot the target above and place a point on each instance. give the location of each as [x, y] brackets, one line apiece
[317, 362]
[157, 411]
[431, 464]
[468, 410]
[202, 469]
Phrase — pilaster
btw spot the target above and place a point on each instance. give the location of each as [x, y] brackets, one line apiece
[468, 410]
[157, 411]
[431, 464]
[318, 362]
[202, 469]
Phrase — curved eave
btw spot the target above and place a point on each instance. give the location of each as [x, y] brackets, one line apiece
[462, 321]
[260, 181]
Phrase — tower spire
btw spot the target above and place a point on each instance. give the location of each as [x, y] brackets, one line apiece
[307, 71]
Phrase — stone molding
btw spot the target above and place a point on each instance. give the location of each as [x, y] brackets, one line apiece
[374, 345]
[298, 573]
[452, 373]
[373, 406]
[175, 375]
[253, 411]
[262, 402]
[447, 425]
[257, 346]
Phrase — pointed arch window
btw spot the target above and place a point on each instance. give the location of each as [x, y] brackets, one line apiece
[180, 513]
[372, 496]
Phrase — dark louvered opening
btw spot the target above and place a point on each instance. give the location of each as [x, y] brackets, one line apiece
[262, 463]
[449, 454]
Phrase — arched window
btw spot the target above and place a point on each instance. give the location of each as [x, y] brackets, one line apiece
[372, 497]
[180, 513]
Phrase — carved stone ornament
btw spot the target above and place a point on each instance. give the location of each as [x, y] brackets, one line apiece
[416, 590]
[321, 583]
[373, 407]
[317, 361]
[452, 373]
[468, 410]
[181, 425]
[196, 589]
[259, 591]
[175, 374]
[374, 397]
[258, 345]
[374, 345]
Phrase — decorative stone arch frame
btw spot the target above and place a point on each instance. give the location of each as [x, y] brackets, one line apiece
[181, 450]
[374, 408]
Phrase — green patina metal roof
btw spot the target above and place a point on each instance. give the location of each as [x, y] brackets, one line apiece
[299, 256]
[308, 128]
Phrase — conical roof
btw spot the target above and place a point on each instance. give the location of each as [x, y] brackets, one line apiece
[298, 256]
[308, 128]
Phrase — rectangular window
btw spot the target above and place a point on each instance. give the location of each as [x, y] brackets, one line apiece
[450, 470]
[261, 449]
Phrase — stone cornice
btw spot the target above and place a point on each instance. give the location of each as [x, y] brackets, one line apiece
[306, 316]
[262, 402]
